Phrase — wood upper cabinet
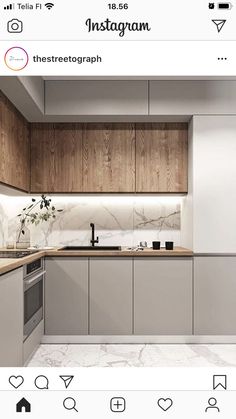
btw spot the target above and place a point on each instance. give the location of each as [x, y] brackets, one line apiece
[56, 158]
[82, 158]
[14, 146]
[109, 158]
[92, 157]
[161, 157]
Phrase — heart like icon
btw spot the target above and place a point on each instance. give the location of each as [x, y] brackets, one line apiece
[16, 381]
[165, 404]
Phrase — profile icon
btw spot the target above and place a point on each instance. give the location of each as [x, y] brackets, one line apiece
[212, 402]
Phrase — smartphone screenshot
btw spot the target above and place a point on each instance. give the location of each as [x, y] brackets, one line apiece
[117, 209]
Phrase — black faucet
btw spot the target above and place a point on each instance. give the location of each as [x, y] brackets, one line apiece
[93, 241]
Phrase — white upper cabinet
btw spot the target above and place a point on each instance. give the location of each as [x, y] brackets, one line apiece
[96, 97]
[192, 97]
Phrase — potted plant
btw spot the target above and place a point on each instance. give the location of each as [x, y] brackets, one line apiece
[38, 211]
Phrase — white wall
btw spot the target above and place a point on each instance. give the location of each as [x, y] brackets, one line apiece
[214, 184]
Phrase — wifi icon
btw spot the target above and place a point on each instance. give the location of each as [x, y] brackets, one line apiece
[49, 6]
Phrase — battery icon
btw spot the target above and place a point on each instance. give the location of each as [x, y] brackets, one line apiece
[225, 6]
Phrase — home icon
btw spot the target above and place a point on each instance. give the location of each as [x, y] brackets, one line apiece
[23, 406]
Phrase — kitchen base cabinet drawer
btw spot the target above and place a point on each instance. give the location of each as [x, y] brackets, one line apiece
[163, 296]
[215, 295]
[111, 296]
[66, 296]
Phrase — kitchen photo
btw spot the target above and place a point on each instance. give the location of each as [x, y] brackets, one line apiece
[117, 222]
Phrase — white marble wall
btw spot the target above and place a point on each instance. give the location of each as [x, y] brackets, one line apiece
[119, 220]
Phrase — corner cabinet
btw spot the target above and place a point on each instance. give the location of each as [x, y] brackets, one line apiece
[14, 146]
[214, 295]
[163, 296]
[66, 296]
[11, 319]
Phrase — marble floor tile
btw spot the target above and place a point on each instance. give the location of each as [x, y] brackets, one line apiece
[134, 356]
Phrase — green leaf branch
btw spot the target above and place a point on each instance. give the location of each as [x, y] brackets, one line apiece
[37, 212]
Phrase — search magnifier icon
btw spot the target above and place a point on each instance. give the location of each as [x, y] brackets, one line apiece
[70, 404]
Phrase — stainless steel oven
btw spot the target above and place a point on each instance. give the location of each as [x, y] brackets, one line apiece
[33, 295]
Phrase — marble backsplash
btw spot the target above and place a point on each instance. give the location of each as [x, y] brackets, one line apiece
[119, 220]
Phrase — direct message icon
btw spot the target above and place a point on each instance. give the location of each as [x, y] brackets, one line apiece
[219, 382]
[219, 24]
[67, 379]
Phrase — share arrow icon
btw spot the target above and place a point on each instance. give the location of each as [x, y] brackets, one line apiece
[219, 23]
[67, 379]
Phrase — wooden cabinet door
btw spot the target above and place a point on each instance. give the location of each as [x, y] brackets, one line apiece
[14, 146]
[161, 158]
[163, 296]
[111, 296]
[214, 295]
[56, 158]
[66, 296]
[109, 158]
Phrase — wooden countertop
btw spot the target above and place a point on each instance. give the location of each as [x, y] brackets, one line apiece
[9, 264]
[178, 251]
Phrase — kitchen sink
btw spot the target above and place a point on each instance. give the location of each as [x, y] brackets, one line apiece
[111, 248]
[16, 254]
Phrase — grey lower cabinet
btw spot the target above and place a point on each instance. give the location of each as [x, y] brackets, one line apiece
[163, 296]
[111, 305]
[215, 295]
[11, 319]
[118, 296]
[66, 296]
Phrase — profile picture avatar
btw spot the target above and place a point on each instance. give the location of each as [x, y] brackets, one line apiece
[15, 26]
[16, 58]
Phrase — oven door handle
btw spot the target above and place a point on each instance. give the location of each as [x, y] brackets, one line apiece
[30, 281]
